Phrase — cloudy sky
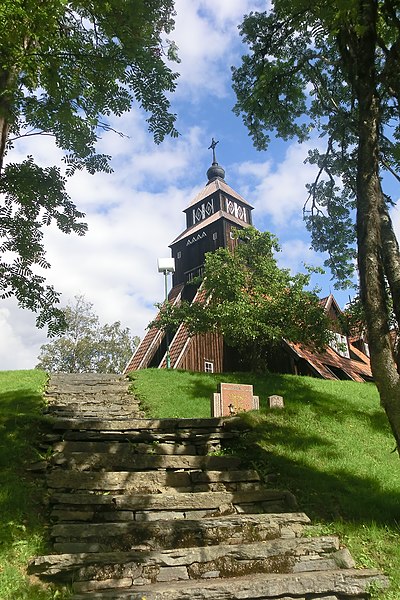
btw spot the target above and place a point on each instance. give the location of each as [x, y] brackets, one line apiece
[135, 213]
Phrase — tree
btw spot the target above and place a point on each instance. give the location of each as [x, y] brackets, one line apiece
[251, 301]
[331, 66]
[65, 67]
[87, 346]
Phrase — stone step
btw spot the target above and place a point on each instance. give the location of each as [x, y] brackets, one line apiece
[167, 425]
[141, 510]
[111, 447]
[288, 555]
[154, 482]
[100, 508]
[175, 501]
[322, 585]
[79, 381]
[94, 401]
[64, 414]
[88, 387]
[151, 534]
[95, 394]
[94, 412]
[204, 440]
[124, 459]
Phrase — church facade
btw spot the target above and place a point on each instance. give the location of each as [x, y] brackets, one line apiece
[211, 218]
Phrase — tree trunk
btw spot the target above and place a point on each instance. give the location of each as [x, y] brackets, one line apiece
[370, 236]
[391, 258]
[6, 82]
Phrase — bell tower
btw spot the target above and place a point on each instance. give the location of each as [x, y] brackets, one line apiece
[211, 218]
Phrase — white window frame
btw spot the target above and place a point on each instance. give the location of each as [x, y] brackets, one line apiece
[208, 366]
[337, 341]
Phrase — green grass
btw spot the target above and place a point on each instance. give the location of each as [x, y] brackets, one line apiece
[331, 446]
[22, 522]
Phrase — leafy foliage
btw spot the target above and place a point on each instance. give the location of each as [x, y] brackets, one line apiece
[66, 67]
[332, 67]
[87, 346]
[301, 71]
[251, 301]
[31, 197]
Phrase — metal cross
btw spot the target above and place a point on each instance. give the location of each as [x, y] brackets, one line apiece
[212, 147]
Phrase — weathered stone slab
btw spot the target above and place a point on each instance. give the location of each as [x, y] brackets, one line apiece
[87, 586]
[211, 476]
[148, 483]
[257, 587]
[180, 501]
[172, 574]
[164, 534]
[124, 458]
[150, 436]
[136, 424]
[69, 514]
[111, 447]
[232, 559]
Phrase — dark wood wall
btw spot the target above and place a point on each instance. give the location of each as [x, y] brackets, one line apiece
[205, 347]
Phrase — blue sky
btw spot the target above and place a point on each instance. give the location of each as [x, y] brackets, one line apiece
[135, 213]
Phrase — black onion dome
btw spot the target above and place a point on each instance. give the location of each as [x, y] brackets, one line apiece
[215, 171]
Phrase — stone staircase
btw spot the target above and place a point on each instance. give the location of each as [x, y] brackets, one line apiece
[146, 509]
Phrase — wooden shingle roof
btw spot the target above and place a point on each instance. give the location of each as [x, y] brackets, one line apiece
[148, 346]
[215, 185]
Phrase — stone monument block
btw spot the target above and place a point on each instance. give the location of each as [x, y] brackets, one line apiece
[233, 398]
[276, 401]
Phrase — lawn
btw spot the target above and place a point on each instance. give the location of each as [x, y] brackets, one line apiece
[22, 523]
[331, 446]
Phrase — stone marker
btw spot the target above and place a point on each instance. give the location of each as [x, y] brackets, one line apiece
[275, 401]
[233, 398]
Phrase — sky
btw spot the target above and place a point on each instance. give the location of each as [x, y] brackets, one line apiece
[134, 213]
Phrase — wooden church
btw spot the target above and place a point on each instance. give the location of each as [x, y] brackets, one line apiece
[211, 218]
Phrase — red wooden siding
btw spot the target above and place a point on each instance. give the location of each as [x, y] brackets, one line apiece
[205, 347]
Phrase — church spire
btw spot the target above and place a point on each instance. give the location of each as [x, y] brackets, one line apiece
[215, 171]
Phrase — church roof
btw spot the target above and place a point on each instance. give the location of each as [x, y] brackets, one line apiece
[215, 185]
[357, 370]
[201, 224]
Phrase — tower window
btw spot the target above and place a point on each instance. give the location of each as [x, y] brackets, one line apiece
[215, 235]
[179, 255]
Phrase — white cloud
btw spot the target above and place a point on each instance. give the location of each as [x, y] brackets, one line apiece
[208, 39]
[278, 189]
[19, 339]
[295, 253]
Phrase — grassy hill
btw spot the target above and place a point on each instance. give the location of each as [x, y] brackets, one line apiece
[331, 446]
[22, 520]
